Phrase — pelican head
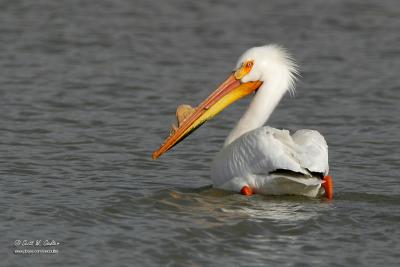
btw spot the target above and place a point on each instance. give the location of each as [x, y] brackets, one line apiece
[257, 68]
[269, 62]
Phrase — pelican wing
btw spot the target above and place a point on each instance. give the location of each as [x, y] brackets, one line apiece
[312, 151]
[263, 151]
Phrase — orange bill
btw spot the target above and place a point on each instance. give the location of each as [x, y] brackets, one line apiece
[227, 93]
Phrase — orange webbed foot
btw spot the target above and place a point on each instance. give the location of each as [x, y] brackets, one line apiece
[328, 186]
[246, 190]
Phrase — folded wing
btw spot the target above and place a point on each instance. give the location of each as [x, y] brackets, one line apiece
[265, 151]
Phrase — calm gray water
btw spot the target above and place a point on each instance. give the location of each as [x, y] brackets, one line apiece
[88, 90]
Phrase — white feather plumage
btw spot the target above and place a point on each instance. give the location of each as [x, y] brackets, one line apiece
[252, 154]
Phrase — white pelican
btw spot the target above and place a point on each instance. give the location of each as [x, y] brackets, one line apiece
[257, 159]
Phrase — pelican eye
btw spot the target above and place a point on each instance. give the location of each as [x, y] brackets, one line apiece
[247, 66]
[244, 69]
